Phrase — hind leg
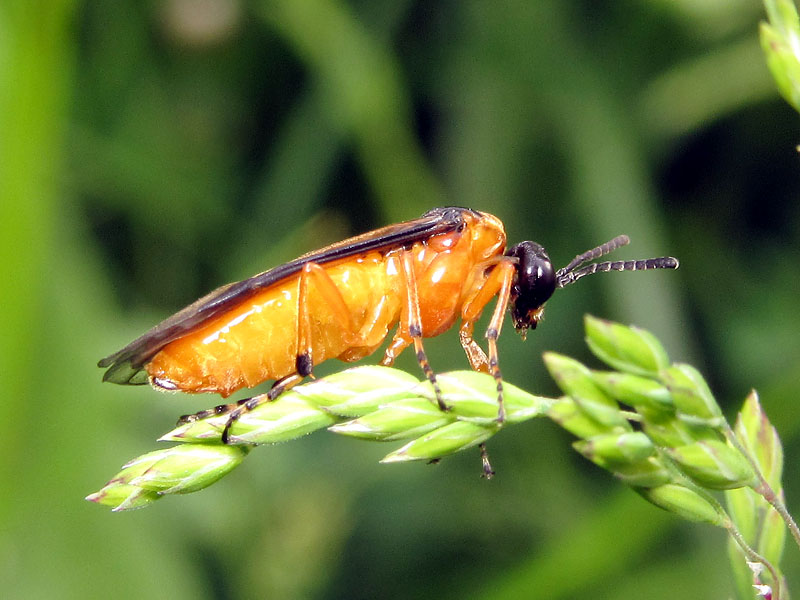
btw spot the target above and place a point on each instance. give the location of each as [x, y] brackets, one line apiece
[312, 277]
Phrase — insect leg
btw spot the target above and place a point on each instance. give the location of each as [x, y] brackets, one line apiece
[313, 274]
[220, 409]
[475, 354]
[248, 404]
[498, 283]
[410, 329]
[488, 472]
[399, 342]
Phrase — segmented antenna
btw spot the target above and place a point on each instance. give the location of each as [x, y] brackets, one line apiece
[571, 273]
[617, 242]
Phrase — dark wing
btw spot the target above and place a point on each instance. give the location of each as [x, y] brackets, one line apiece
[125, 366]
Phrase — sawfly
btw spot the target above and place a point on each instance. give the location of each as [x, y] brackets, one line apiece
[415, 279]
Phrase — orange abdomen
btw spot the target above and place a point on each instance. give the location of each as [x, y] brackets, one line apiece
[257, 340]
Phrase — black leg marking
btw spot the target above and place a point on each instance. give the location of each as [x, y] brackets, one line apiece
[226, 432]
[304, 364]
[184, 419]
[220, 409]
[412, 318]
[204, 414]
[488, 472]
[422, 359]
[244, 406]
[248, 404]
[494, 369]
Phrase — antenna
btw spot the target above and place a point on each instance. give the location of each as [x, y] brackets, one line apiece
[571, 273]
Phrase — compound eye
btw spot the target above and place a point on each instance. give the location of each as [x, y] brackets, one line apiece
[536, 282]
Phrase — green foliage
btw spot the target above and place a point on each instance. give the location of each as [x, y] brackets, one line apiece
[760, 525]
[151, 152]
[685, 448]
[780, 40]
[676, 474]
[177, 470]
[369, 403]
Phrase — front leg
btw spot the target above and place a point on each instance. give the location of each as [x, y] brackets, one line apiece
[498, 283]
[475, 355]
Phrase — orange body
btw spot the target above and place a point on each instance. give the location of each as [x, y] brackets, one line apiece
[416, 277]
[261, 337]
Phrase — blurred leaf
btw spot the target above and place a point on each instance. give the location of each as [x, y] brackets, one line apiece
[780, 41]
[365, 95]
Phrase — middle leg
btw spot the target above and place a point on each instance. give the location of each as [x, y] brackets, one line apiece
[410, 329]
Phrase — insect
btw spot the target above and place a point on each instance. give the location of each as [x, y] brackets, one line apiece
[342, 301]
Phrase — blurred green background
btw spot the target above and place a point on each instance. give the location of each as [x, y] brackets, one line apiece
[150, 151]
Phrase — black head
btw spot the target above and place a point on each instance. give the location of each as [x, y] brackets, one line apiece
[536, 280]
[534, 284]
